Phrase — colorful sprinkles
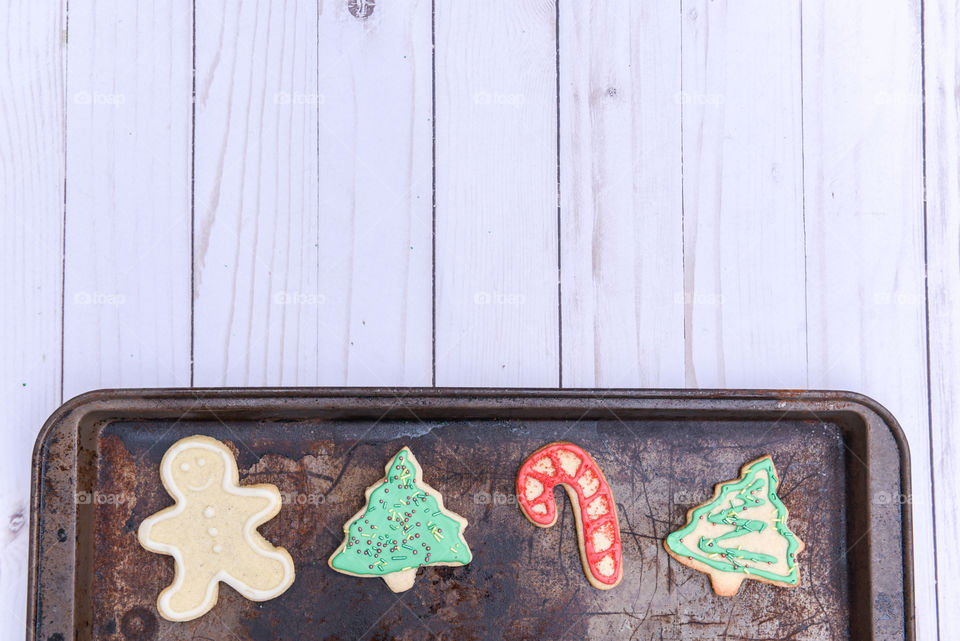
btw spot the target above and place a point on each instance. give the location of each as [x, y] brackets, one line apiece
[391, 527]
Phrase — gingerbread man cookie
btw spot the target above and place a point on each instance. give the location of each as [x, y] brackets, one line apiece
[211, 531]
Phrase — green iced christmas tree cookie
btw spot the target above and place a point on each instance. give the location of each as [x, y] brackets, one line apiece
[740, 533]
[402, 527]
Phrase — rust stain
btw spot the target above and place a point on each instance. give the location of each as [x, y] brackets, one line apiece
[139, 624]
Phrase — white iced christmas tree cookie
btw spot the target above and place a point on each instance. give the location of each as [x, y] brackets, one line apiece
[741, 533]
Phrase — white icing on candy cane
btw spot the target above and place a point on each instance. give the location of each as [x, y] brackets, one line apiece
[598, 531]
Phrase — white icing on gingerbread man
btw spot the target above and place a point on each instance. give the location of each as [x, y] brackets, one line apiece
[211, 531]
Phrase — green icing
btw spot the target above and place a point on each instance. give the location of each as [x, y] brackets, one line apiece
[402, 527]
[735, 497]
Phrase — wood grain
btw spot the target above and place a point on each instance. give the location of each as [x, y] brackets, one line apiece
[863, 145]
[127, 292]
[376, 181]
[741, 203]
[32, 133]
[942, 99]
[620, 194]
[743, 246]
[256, 297]
[496, 194]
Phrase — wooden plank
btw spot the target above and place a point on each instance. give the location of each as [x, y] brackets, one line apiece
[127, 249]
[31, 199]
[255, 243]
[864, 224]
[496, 193]
[743, 293]
[375, 186]
[942, 68]
[620, 195]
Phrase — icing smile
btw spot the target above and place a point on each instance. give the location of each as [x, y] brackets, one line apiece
[200, 488]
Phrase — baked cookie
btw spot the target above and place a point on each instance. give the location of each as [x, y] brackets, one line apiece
[402, 527]
[741, 533]
[566, 464]
[211, 531]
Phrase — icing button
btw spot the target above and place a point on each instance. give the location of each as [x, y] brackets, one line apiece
[209, 512]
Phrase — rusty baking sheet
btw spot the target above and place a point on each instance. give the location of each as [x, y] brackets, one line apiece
[842, 459]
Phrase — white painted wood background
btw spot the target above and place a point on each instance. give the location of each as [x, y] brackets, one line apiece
[614, 194]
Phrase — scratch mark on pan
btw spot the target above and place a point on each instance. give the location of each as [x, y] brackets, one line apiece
[343, 468]
[784, 495]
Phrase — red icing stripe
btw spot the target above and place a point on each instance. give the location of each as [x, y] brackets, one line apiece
[588, 524]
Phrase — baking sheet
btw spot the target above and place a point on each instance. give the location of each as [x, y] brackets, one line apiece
[661, 452]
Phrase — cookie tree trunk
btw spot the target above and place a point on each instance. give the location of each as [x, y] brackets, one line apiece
[401, 581]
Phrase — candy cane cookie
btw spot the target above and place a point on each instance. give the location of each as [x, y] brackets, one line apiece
[566, 464]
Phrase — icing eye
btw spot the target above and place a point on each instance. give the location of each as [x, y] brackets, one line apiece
[184, 467]
[201, 461]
